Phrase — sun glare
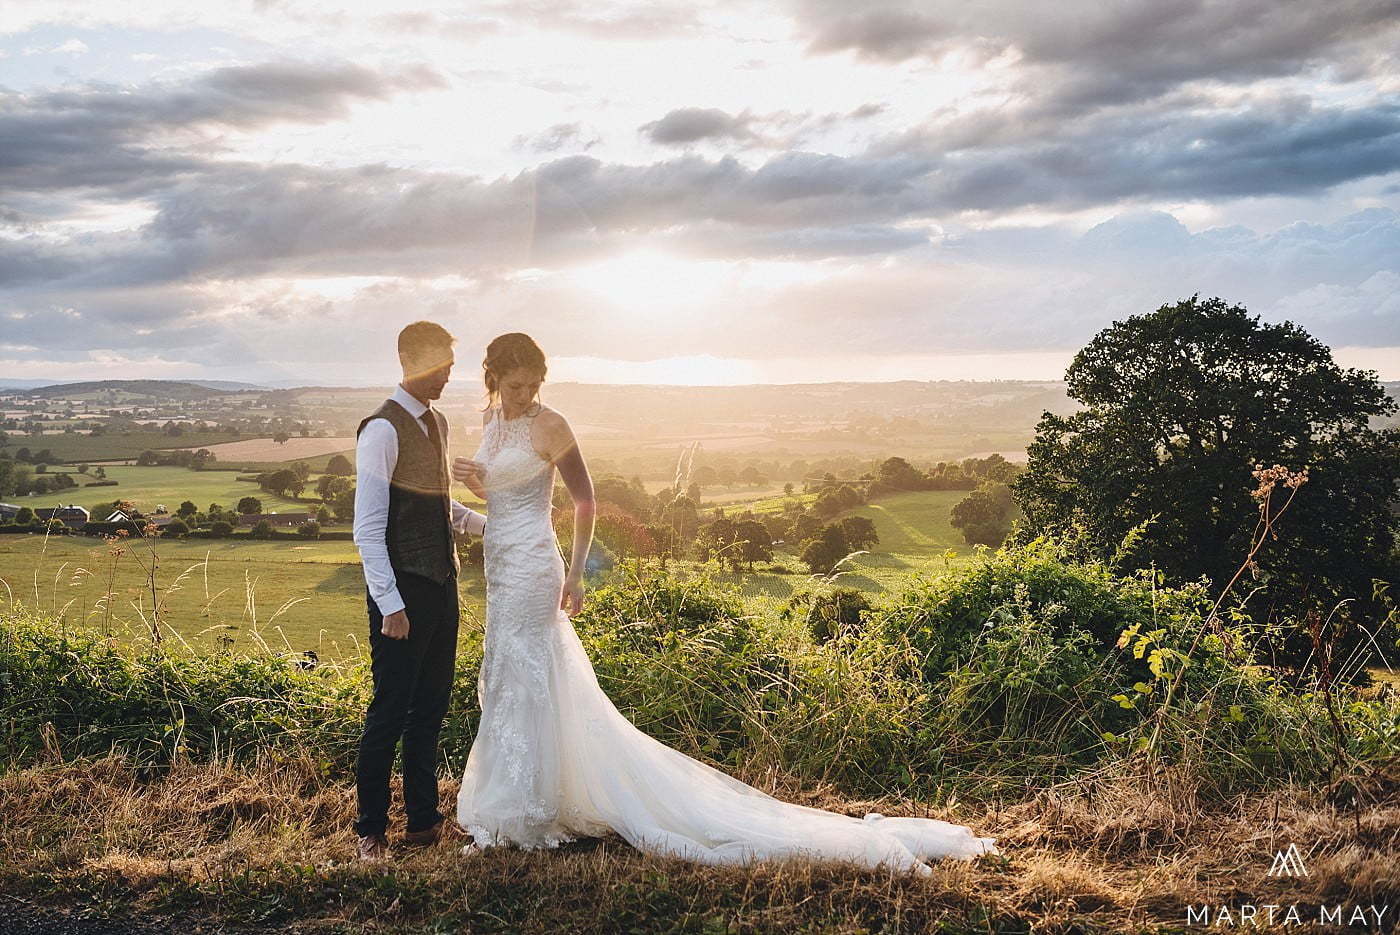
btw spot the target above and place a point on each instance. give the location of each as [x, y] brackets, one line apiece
[642, 281]
[645, 280]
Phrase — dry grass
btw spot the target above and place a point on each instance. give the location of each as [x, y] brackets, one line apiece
[271, 844]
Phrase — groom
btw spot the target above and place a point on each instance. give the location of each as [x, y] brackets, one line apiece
[404, 522]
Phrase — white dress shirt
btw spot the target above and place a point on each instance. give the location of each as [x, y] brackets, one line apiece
[376, 454]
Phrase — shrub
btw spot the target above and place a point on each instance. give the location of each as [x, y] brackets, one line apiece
[1026, 651]
[177, 528]
[680, 657]
[309, 530]
[154, 705]
[1027, 698]
[220, 530]
[262, 529]
[828, 612]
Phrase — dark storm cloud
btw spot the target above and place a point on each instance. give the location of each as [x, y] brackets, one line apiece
[98, 137]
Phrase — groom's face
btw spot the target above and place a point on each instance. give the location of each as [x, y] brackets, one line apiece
[428, 377]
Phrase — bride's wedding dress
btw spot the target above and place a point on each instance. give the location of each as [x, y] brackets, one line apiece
[554, 760]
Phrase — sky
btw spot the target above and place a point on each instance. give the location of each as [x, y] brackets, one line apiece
[698, 192]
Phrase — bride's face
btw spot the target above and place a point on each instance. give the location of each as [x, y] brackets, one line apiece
[519, 387]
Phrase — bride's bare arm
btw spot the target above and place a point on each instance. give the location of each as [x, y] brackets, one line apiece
[562, 449]
[469, 472]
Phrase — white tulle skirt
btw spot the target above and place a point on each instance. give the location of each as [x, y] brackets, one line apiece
[554, 760]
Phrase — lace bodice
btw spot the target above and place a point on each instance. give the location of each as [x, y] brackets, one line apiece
[518, 482]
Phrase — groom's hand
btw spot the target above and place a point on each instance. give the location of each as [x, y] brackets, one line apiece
[395, 625]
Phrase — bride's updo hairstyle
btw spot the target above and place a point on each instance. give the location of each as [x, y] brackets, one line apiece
[506, 353]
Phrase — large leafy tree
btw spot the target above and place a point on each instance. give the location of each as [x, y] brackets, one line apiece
[1179, 406]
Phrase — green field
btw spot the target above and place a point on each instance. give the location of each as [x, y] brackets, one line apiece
[75, 448]
[103, 449]
[915, 537]
[290, 594]
[311, 594]
[149, 486]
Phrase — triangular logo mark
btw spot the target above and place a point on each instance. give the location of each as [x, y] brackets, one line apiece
[1288, 863]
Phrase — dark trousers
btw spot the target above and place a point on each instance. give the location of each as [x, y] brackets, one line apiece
[412, 687]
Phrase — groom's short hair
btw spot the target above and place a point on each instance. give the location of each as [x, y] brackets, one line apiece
[424, 342]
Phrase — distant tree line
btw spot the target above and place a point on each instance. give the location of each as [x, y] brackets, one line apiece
[194, 460]
[671, 523]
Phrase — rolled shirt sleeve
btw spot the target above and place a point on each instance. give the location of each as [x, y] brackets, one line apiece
[376, 454]
[467, 520]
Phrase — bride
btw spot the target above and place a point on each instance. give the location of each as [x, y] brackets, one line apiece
[553, 759]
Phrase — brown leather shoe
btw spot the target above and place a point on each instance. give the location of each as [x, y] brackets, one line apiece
[372, 848]
[425, 837]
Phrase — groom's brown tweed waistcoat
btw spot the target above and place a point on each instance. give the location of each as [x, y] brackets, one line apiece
[419, 533]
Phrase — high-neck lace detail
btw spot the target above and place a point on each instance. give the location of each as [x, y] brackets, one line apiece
[501, 433]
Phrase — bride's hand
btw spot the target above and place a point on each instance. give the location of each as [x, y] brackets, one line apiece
[571, 596]
[469, 472]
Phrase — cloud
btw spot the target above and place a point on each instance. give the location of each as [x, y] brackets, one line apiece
[1281, 144]
[888, 34]
[633, 19]
[229, 220]
[1061, 63]
[691, 124]
[560, 136]
[1362, 314]
[919, 290]
[779, 131]
[871, 218]
[1330, 278]
[235, 220]
[99, 136]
